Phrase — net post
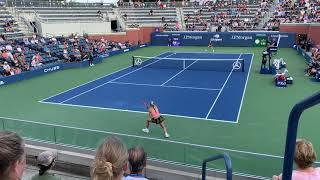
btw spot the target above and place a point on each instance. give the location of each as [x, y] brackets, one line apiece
[184, 64]
[132, 61]
[242, 66]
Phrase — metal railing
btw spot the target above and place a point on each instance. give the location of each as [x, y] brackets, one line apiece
[292, 129]
[227, 161]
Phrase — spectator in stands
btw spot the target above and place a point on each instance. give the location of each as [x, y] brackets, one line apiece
[111, 160]
[46, 160]
[36, 60]
[163, 19]
[2, 39]
[76, 54]
[137, 163]
[47, 51]
[304, 158]
[7, 55]
[151, 12]
[125, 16]
[66, 55]
[16, 70]
[12, 156]
[22, 62]
[99, 14]
[315, 51]
[7, 69]
[26, 41]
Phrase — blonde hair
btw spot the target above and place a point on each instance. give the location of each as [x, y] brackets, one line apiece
[304, 155]
[111, 157]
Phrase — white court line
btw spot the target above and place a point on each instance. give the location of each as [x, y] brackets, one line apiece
[111, 80]
[94, 80]
[155, 85]
[215, 101]
[141, 112]
[150, 138]
[245, 88]
[199, 52]
[178, 73]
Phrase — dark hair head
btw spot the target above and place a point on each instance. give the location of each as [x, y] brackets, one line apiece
[137, 159]
[11, 151]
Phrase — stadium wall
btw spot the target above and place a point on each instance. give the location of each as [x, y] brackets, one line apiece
[133, 35]
[312, 30]
[231, 39]
[63, 28]
[61, 66]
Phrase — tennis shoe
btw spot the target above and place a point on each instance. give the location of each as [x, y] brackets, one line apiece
[146, 130]
[166, 135]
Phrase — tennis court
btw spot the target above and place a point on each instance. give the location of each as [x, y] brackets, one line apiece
[255, 143]
[206, 86]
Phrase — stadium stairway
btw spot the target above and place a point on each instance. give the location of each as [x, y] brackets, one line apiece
[180, 18]
[17, 32]
[268, 15]
[74, 163]
[120, 19]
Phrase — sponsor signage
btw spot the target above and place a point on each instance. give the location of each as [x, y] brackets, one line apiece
[216, 38]
[241, 37]
[51, 69]
[192, 37]
[232, 39]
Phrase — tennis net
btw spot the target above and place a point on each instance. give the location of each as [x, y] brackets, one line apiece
[236, 65]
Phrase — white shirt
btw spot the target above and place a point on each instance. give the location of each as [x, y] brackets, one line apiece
[9, 47]
[6, 66]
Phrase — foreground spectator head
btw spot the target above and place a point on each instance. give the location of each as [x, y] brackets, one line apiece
[110, 161]
[304, 155]
[304, 158]
[46, 161]
[12, 156]
[137, 160]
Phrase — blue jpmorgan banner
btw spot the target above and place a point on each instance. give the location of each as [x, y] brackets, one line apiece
[231, 39]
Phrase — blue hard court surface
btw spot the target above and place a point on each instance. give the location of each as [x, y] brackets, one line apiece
[202, 94]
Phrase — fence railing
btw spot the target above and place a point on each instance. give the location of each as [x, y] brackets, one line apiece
[292, 129]
[227, 161]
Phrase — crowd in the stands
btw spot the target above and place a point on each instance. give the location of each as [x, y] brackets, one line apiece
[27, 54]
[231, 17]
[314, 65]
[8, 25]
[289, 11]
[305, 11]
[237, 15]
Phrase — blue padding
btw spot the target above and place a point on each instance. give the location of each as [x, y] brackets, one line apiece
[234, 39]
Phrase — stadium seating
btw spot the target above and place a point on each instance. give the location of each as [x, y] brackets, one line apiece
[68, 14]
[14, 31]
[298, 12]
[237, 17]
[141, 17]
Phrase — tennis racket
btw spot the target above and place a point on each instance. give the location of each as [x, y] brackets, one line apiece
[145, 104]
